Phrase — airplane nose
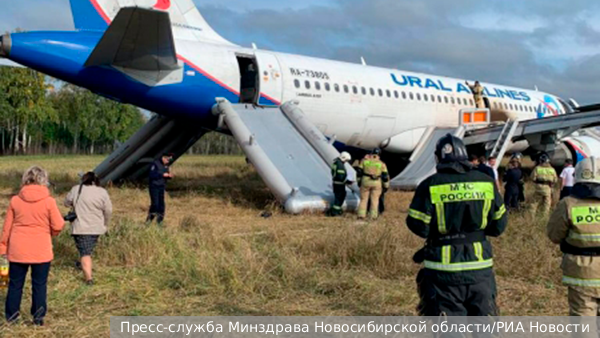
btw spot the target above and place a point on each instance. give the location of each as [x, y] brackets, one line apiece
[5, 45]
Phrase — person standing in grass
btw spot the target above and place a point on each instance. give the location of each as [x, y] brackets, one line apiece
[31, 220]
[567, 179]
[575, 225]
[160, 173]
[93, 207]
[513, 178]
[456, 210]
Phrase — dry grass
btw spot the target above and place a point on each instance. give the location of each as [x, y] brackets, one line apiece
[217, 256]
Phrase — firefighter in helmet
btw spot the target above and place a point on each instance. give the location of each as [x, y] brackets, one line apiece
[455, 210]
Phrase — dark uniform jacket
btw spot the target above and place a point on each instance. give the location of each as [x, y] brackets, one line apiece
[513, 177]
[455, 210]
[339, 173]
[157, 171]
[484, 168]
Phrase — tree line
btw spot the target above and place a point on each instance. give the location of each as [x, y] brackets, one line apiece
[39, 115]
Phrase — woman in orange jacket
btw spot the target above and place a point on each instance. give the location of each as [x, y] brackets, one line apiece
[31, 220]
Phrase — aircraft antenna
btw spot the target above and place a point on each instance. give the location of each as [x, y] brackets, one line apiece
[362, 59]
[254, 46]
[536, 89]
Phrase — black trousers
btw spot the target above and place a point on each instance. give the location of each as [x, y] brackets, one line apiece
[511, 197]
[565, 192]
[157, 204]
[339, 193]
[382, 203]
[39, 282]
[456, 300]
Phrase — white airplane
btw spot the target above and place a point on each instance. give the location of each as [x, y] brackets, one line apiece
[161, 55]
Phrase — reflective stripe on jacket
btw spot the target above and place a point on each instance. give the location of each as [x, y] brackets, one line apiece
[373, 172]
[449, 204]
[577, 223]
[338, 172]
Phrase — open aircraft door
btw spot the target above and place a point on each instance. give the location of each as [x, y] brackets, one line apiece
[270, 78]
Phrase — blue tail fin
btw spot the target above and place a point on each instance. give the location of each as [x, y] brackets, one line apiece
[88, 15]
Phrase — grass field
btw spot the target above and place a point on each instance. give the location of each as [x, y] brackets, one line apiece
[218, 256]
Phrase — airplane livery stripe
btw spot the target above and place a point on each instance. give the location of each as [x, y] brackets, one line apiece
[191, 64]
[577, 149]
[100, 11]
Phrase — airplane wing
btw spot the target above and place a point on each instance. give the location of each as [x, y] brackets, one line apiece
[9, 63]
[554, 128]
[139, 43]
[544, 134]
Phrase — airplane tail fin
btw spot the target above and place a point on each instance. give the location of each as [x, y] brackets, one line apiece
[187, 22]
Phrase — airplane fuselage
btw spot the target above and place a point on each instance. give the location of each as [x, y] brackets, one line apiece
[361, 106]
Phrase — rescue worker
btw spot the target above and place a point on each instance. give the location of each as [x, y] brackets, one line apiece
[544, 177]
[575, 225]
[477, 90]
[455, 210]
[159, 174]
[374, 177]
[340, 180]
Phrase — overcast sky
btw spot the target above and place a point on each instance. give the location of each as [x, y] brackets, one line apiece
[552, 44]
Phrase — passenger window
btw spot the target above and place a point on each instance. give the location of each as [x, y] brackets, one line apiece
[432, 98]
[346, 89]
[327, 86]
[297, 83]
[439, 99]
[471, 102]
[307, 84]
[354, 90]
[412, 97]
[452, 100]
[466, 102]
[336, 87]
[364, 91]
[317, 85]
[396, 94]
[404, 95]
[446, 99]
[426, 97]
[372, 91]
[380, 92]
[418, 97]
[387, 92]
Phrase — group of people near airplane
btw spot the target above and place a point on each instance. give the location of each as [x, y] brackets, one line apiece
[459, 207]
[455, 210]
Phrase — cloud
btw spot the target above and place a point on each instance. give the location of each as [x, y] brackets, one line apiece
[551, 44]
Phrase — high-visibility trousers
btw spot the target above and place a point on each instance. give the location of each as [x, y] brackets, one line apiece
[369, 193]
[543, 198]
[339, 193]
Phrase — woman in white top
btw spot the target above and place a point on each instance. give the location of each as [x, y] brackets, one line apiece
[93, 208]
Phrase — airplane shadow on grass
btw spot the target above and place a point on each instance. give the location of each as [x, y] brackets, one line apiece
[244, 188]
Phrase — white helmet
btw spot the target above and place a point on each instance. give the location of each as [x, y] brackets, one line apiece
[588, 171]
[345, 156]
